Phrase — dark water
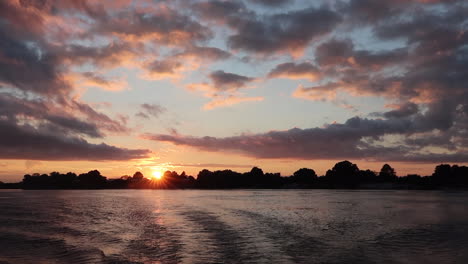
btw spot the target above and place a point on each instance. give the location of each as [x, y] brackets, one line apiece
[245, 226]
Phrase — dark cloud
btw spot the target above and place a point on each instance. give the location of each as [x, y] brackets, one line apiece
[404, 110]
[16, 109]
[338, 52]
[286, 32]
[356, 138]
[27, 142]
[55, 6]
[333, 142]
[292, 70]
[334, 52]
[103, 121]
[164, 66]
[65, 124]
[417, 60]
[166, 26]
[150, 110]
[461, 157]
[97, 80]
[223, 89]
[204, 53]
[110, 55]
[229, 81]
[39, 120]
[187, 60]
[26, 65]
[220, 10]
[272, 3]
[371, 11]
[431, 140]
[15, 17]
[427, 77]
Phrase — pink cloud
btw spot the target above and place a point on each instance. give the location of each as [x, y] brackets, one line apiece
[230, 100]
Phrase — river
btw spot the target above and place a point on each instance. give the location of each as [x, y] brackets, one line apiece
[233, 226]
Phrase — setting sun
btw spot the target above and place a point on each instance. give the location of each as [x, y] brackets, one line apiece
[157, 175]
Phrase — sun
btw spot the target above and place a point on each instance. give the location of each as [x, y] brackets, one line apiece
[157, 175]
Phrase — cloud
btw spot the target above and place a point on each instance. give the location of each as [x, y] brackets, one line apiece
[371, 11]
[333, 141]
[287, 32]
[228, 81]
[292, 70]
[403, 110]
[39, 119]
[161, 69]
[413, 54]
[375, 11]
[26, 142]
[162, 24]
[103, 121]
[359, 138]
[272, 3]
[204, 53]
[282, 33]
[223, 89]
[220, 10]
[224, 101]
[109, 55]
[425, 75]
[221, 82]
[327, 92]
[150, 110]
[49, 6]
[338, 52]
[93, 80]
[43, 114]
[28, 67]
[174, 66]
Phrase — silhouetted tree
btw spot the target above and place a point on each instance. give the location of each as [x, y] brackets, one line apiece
[367, 176]
[173, 180]
[442, 171]
[455, 176]
[387, 174]
[415, 181]
[205, 179]
[256, 172]
[92, 180]
[344, 173]
[304, 175]
[138, 176]
[37, 181]
[460, 174]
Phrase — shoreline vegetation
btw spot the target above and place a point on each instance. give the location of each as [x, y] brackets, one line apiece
[344, 175]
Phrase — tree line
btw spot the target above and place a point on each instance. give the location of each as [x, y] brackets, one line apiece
[343, 175]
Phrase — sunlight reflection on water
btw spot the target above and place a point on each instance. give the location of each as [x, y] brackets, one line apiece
[235, 226]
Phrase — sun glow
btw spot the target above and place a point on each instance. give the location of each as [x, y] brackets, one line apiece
[157, 175]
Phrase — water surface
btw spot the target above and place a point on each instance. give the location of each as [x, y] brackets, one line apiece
[234, 226]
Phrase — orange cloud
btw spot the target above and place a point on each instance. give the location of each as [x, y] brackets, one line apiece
[229, 101]
[317, 93]
[292, 70]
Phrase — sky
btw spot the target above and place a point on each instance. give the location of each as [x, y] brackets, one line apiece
[124, 86]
